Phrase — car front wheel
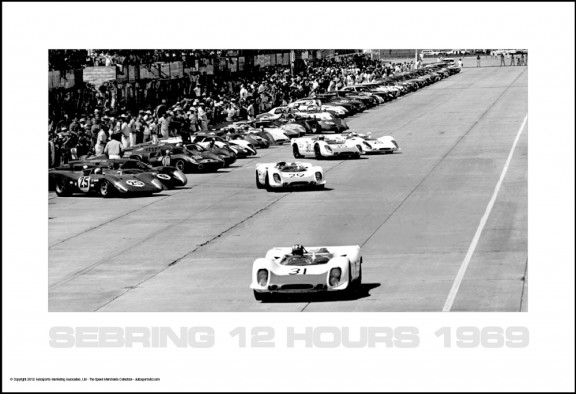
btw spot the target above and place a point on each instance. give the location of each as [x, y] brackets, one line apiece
[317, 152]
[180, 164]
[258, 184]
[296, 152]
[62, 188]
[105, 189]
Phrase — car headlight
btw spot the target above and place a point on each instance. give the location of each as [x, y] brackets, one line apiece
[318, 176]
[262, 277]
[276, 178]
[328, 148]
[335, 275]
[157, 183]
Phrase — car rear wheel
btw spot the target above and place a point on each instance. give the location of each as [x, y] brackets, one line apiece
[105, 189]
[62, 188]
[296, 152]
[317, 152]
[258, 184]
[180, 164]
[358, 284]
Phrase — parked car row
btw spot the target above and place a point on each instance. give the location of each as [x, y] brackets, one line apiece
[149, 168]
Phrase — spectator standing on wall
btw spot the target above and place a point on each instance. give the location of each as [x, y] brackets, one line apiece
[478, 61]
[502, 63]
[512, 63]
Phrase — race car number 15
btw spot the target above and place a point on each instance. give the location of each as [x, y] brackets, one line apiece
[296, 271]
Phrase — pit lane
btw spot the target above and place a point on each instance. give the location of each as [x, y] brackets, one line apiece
[414, 214]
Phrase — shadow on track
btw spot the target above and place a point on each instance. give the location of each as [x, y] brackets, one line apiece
[362, 292]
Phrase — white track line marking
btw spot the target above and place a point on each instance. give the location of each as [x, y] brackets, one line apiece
[464, 266]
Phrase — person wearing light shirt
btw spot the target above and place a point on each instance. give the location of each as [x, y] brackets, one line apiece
[114, 149]
[243, 93]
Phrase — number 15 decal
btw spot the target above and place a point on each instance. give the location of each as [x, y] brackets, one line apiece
[296, 271]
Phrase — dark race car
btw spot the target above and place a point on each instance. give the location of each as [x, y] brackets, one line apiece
[106, 182]
[179, 157]
[170, 177]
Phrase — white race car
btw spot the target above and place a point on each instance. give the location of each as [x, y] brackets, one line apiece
[323, 146]
[296, 174]
[297, 270]
[370, 145]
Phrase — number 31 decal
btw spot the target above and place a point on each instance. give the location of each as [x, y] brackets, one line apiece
[296, 271]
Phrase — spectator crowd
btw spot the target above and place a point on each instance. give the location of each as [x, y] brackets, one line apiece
[83, 121]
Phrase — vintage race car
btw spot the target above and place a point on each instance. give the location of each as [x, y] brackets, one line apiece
[242, 148]
[323, 147]
[107, 182]
[170, 177]
[319, 269]
[370, 145]
[289, 175]
[180, 157]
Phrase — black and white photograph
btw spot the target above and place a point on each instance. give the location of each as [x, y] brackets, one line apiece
[224, 191]
[288, 180]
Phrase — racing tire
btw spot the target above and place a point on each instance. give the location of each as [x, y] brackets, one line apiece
[296, 152]
[357, 155]
[320, 187]
[258, 184]
[180, 164]
[350, 291]
[62, 188]
[358, 284]
[261, 296]
[317, 152]
[105, 189]
[267, 184]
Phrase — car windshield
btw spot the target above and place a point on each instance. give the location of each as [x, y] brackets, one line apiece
[307, 259]
[292, 167]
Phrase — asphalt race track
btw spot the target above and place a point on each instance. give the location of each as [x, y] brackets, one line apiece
[415, 215]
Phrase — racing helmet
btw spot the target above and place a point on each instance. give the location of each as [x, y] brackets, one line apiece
[298, 250]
